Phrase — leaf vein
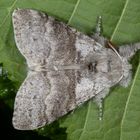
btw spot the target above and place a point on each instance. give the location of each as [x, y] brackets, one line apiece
[128, 99]
[10, 8]
[74, 11]
[86, 119]
[120, 19]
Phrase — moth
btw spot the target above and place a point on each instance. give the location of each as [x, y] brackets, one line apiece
[65, 68]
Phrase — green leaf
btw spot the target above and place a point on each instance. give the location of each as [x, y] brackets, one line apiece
[130, 123]
[7, 88]
[121, 24]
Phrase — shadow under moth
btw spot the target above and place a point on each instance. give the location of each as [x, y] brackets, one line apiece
[65, 68]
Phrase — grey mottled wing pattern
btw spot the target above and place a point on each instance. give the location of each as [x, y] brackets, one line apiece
[37, 34]
[30, 32]
[46, 94]
[104, 72]
[29, 108]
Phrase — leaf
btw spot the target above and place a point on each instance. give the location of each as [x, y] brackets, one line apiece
[121, 25]
[130, 123]
[7, 88]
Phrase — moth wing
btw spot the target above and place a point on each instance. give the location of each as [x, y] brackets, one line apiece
[29, 107]
[43, 41]
[30, 34]
[39, 36]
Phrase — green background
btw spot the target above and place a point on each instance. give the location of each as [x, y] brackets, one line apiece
[121, 25]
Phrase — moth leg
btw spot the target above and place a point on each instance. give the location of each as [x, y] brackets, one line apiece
[99, 98]
[98, 32]
[98, 29]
